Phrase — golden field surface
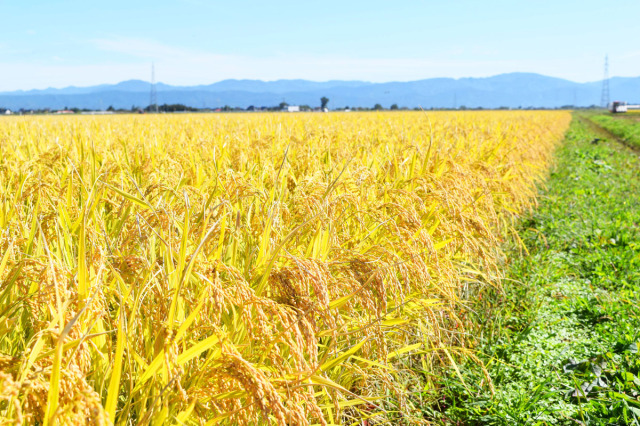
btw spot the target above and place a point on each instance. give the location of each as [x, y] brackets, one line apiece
[249, 268]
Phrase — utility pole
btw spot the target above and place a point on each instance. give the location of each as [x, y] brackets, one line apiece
[153, 96]
[604, 100]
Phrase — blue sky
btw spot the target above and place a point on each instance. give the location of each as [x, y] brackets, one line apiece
[61, 43]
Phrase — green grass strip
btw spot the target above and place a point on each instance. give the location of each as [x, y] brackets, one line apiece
[626, 127]
[561, 342]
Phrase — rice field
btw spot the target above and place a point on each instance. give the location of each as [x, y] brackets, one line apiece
[283, 269]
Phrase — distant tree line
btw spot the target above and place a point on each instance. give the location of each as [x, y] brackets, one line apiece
[282, 106]
[171, 108]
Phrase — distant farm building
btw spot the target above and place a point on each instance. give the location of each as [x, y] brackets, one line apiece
[293, 108]
[620, 106]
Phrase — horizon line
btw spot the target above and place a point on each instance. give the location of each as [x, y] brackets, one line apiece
[312, 81]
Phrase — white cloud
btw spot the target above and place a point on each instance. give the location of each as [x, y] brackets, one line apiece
[129, 58]
[140, 48]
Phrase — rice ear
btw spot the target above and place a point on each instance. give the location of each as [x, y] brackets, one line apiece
[251, 268]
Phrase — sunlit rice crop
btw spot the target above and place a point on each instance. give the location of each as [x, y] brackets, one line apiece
[250, 268]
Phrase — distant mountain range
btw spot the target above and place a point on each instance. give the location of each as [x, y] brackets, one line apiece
[506, 90]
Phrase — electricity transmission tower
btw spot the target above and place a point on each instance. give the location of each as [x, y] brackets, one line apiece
[153, 96]
[604, 100]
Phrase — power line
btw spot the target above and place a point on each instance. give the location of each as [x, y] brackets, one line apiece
[604, 100]
[153, 96]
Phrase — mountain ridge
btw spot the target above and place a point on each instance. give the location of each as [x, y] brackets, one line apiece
[504, 90]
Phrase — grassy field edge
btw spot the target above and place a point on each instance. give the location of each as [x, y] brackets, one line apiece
[560, 342]
[627, 128]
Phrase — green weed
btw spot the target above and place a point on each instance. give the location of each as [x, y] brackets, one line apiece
[560, 342]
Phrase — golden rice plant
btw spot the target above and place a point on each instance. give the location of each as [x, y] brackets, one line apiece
[248, 269]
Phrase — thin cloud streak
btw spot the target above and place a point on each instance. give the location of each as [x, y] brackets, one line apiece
[130, 58]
